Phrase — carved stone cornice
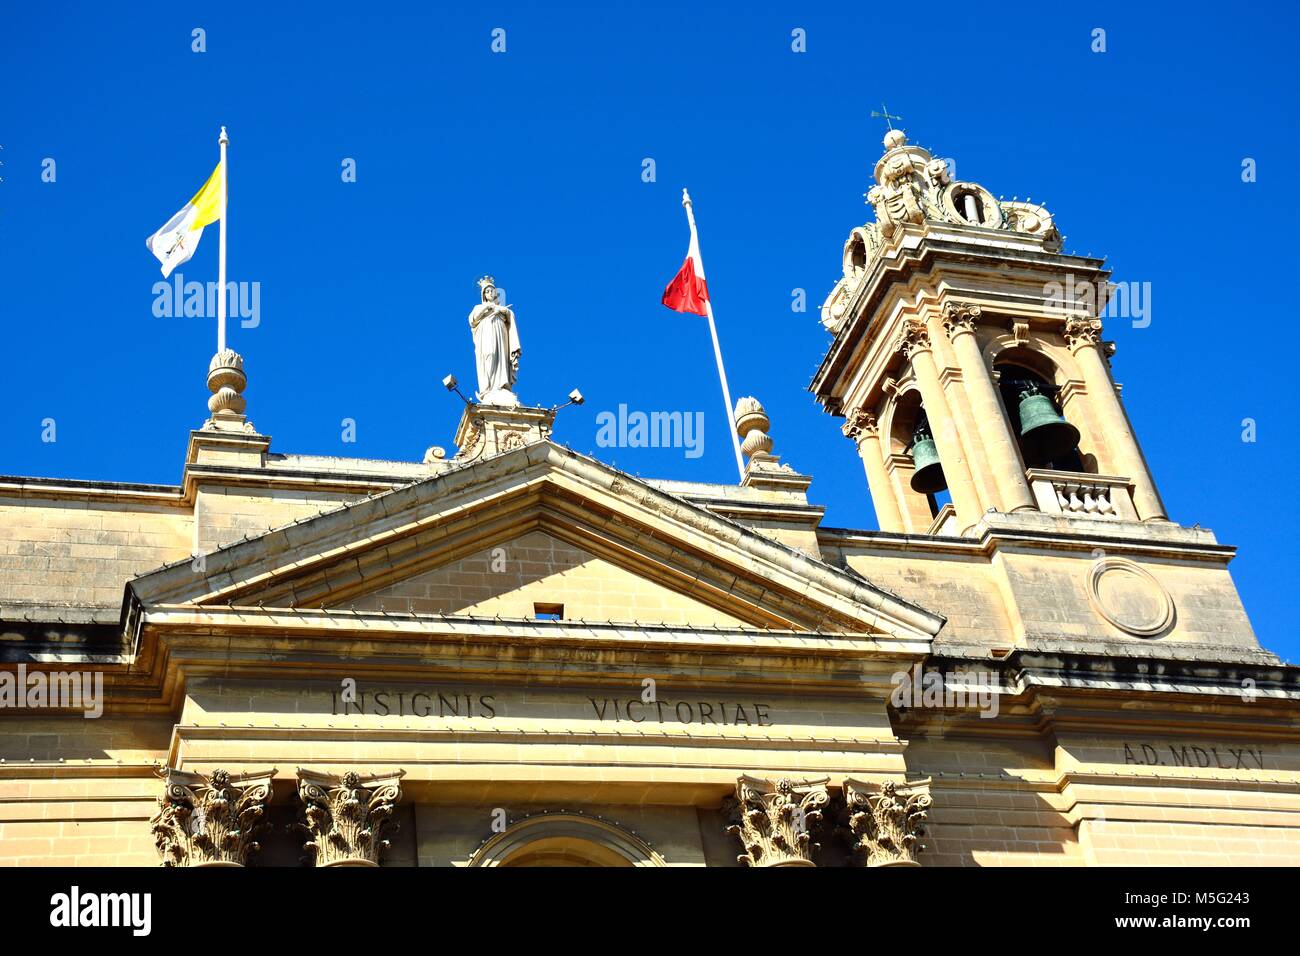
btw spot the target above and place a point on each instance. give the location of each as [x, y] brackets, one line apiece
[959, 317]
[885, 823]
[914, 338]
[1080, 330]
[210, 820]
[860, 424]
[346, 817]
[774, 821]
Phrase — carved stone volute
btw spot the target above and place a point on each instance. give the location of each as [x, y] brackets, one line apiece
[885, 823]
[775, 822]
[210, 820]
[346, 817]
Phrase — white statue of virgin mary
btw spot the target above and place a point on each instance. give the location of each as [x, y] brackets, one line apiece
[496, 346]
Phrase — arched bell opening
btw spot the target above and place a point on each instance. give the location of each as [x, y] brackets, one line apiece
[1045, 437]
[912, 436]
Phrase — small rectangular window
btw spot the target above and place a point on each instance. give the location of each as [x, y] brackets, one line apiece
[548, 612]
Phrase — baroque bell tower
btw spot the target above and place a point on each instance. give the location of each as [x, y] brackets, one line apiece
[968, 361]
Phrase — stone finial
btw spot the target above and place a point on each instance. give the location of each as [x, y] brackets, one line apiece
[226, 382]
[210, 820]
[752, 424]
[886, 823]
[774, 822]
[346, 817]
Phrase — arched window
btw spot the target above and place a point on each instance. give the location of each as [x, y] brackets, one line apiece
[565, 839]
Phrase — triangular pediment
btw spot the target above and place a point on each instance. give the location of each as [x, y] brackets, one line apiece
[540, 573]
[537, 525]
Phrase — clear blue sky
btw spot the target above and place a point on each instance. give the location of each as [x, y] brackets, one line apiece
[528, 165]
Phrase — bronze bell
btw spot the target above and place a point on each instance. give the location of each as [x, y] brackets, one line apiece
[1044, 435]
[927, 476]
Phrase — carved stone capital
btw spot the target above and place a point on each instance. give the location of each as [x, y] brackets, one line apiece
[914, 338]
[345, 817]
[774, 821]
[210, 820]
[860, 424]
[886, 822]
[1080, 330]
[959, 317]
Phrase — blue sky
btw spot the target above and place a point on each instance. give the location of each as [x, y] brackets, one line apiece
[528, 164]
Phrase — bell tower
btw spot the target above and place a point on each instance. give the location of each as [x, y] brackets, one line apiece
[968, 362]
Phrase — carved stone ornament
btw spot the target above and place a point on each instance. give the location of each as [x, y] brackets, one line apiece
[226, 382]
[1080, 330]
[860, 424]
[915, 338]
[346, 817]
[886, 823]
[210, 820]
[959, 317]
[752, 425]
[774, 822]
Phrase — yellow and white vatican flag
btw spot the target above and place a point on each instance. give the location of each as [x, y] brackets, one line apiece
[176, 241]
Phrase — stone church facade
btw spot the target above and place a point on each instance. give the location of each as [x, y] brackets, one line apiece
[518, 655]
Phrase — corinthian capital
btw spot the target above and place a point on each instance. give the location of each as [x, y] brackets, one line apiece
[860, 424]
[1080, 330]
[210, 820]
[959, 317]
[915, 338]
[774, 821]
[886, 822]
[346, 817]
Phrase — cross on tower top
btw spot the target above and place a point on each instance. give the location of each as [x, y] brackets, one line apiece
[885, 115]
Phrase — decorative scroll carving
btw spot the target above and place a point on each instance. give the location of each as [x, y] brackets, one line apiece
[915, 338]
[1080, 330]
[886, 824]
[860, 424]
[210, 820]
[959, 317]
[774, 822]
[346, 817]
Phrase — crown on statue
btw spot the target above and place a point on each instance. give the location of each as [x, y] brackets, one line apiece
[485, 281]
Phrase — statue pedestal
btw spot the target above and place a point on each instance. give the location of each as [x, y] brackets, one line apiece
[487, 430]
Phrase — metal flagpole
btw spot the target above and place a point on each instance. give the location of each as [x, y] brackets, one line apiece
[713, 331]
[221, 251]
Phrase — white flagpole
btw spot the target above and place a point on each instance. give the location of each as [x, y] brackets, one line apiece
[713, 331]
[221, 251]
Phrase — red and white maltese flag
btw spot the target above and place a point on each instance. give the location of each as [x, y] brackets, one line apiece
[688, 291]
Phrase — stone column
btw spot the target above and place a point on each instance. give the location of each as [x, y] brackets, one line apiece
[774, 821]
[862, 428]
[1083, 336]
[886, 824]
[345, 817]
[1000, 449]
[210, 820]
[915, 345]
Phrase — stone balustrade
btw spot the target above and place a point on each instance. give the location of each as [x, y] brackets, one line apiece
[1082, 495]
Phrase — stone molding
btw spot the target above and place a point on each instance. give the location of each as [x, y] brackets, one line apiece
[210, 820]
